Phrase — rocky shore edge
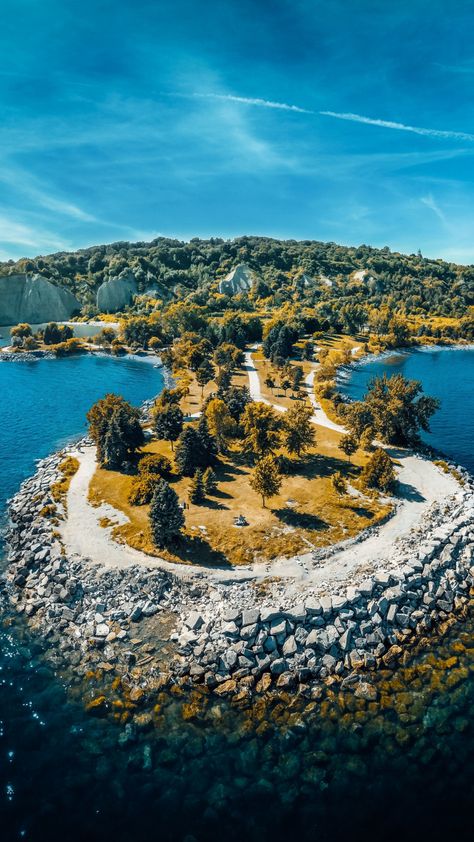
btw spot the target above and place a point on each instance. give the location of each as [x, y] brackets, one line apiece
[235, 637]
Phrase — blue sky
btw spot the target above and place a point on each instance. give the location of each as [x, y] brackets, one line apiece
[126, 120]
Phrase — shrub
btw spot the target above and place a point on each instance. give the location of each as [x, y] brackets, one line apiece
[143, 488]
[379, 472]
[156, 464]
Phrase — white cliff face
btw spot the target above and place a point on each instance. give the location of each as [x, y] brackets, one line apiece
[240, 279]
[34, 299]
[117, 293]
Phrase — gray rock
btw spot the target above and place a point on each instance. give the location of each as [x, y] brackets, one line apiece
[194, 621]
[250, 616]
[289, 646]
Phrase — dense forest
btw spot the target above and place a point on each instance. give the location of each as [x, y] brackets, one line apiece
[325, 276]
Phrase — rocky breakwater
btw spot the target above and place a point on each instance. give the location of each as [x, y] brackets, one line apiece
[236, 637]
[92, 616]
[340, 631]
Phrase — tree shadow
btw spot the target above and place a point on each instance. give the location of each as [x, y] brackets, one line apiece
[409, 492]
[193, 549]
[300, 520]
[221, 495]
[317, 465]
[211, 504]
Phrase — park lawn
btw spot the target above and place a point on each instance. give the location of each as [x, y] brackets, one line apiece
[307, 513]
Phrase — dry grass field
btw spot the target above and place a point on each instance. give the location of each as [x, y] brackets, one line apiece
[306, 513]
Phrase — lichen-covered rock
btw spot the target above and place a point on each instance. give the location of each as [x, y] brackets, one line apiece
[34, 299]
[117, 293]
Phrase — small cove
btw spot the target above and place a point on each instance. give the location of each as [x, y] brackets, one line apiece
[444, 373]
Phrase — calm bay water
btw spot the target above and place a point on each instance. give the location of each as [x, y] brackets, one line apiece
[282, 768]
[445, 374]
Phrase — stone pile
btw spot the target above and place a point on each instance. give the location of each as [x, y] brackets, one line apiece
[227, 635]
[361, 627]
[90, 612]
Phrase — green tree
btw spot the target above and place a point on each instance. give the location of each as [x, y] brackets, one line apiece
[54, 334]
[398, 409]
[220, 421]
[285, 384]
[168, 423]
[261, 427]
[100, 417]
[339, 483]
[265, 478]
[156, 464]
[115, 440]
[297, 377]
[187, 452]
[197, 491]
[22, 330]
[348, 444]
[366, 439]
[204, 375]
[299, 434]
[379, 471]
[269, 383]
[207, 454]
[210, 481]
[166, 516]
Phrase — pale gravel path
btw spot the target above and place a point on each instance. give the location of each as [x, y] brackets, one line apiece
[421, 485]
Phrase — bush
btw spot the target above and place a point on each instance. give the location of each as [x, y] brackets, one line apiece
[156, 464]
[379, 472]
[143, 488]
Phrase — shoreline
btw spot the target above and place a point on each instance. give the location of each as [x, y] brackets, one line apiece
[228, 635]
[308, 627]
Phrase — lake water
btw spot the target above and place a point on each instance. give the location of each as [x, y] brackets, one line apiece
[445, 374]
[281, 769]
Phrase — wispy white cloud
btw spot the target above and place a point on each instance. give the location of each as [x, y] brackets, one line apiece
[14, 233]
[355, 118]
[389, 124]
[431, 203]
[263, 103]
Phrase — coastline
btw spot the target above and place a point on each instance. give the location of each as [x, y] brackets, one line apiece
[224, 633]
[306, 629]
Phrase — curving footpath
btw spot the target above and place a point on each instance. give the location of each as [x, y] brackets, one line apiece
[422, 487]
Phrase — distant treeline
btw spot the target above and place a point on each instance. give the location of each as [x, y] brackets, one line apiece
[319, 275]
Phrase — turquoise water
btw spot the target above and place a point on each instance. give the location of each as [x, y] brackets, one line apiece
[282, 769]
[445, 374]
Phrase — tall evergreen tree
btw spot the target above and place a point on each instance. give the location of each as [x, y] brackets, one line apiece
[115, 448]
[187, 452]
[166, 516]
[168, 422]
[208, 444]
[210, 481]
[197, 491]
[100, 416]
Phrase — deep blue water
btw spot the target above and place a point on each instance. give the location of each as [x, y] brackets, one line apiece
[44, 404]
[445, 374]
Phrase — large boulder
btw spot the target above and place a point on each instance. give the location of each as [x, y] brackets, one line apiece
[117, 293]
[33, 299]
[240, 279]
